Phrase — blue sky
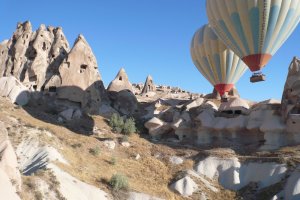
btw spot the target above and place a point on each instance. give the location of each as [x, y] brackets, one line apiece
[145, 37]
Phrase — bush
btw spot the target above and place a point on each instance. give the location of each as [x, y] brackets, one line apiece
[119, 182]
[116, 122]
[118, 125]
[113, 161]
[95, 151]
[129, 126]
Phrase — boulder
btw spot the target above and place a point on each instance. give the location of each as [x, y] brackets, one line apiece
[67, 114]
[234, 175]
[149, 85]
[185, 186]
[121, 82]
[13, 89]
[234, 105]
[194, 103]
[176, 160]
[110, 144]
[125, 102]
[157, 127]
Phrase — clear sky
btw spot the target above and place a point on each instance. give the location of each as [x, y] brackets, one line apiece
[145, 37]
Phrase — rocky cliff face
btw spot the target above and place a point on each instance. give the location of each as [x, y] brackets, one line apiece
[290, 104]
[43, 62]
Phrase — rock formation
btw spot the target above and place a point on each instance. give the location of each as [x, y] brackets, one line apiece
[290, 103]
[42, 61]
[121, 94]
[80, 79]
[121, 82]
[12, 88]
[149, 85]
[9, 171]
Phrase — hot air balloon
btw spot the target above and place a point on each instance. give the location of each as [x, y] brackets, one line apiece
[254, 29]
[216, 62]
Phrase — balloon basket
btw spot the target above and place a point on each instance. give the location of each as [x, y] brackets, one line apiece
[257, 78]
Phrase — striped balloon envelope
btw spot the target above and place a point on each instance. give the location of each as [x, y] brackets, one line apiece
[217, 63]
[254, 29]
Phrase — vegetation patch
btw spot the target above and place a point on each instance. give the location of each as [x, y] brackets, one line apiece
[119, 182]
[120, 125]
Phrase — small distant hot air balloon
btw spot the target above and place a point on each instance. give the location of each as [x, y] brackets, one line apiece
[216, 62]
[254, 29]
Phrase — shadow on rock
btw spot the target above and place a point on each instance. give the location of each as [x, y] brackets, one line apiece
[66, 106]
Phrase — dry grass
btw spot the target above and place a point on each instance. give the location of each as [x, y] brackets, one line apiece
[151, 174]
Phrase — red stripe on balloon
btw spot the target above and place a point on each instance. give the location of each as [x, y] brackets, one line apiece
[223, 88]
[256, 62]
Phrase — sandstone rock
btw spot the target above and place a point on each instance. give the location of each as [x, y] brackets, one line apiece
[4, 48]
[138, 156]
[16, 59]
[81, 81]
[12, 88]
[121, 82]
[234, 105]
[141, 196]
[185, 186]
[195, 103]
[38, 52]
[125, 144]
[67, 114]
[290, 108]
[234, 175]
[214, 95]
[110, 144]
[292, 188]
[106, 110]
[149, 85]
[7, 190]
[125, 102]
[8, 158]
[157, 127]
[77, 114]
[176, 160]
[72, 188]
[33, 156]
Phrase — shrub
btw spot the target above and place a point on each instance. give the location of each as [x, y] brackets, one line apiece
[119, 182]
[113, 161]
[129, 126]
[118, 125]
[95, 151]
[116, 122]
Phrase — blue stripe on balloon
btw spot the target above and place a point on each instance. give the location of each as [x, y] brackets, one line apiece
[229, 63]
[218, 66]
[225, 29]
[208, 66]
[254, 21]
[239, 28]
[283, 29]
[273, 16]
